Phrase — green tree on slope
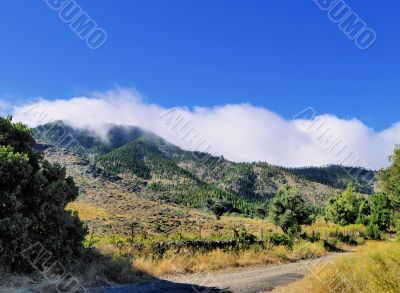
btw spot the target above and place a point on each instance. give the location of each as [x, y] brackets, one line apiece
[389, 179]
[381, 211]
[289, 210]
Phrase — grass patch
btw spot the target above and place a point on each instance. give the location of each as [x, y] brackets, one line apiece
[375, 268]
[88, 211]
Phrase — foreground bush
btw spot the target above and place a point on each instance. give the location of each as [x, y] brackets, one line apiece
[33, 196]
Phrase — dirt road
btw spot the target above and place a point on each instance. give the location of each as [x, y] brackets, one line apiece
[244, 280]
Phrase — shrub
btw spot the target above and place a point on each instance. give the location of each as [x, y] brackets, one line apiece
[331, 245]
[278, 239]
[219, 207]
[245, 239]
[372, 232]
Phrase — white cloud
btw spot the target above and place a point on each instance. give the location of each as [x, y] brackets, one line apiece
[3, 107]
[240, 132]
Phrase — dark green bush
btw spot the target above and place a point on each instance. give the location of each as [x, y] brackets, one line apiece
[289, 210]
[330, 245]
[33, 197]
[244, 240]
[347, 208]
[278, 239]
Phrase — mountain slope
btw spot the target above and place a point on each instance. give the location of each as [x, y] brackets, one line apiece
[190, 178]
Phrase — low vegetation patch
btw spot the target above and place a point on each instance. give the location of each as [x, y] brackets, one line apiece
[219, 259]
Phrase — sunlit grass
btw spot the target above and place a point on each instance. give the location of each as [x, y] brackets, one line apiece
[87, 211]
[375, 268]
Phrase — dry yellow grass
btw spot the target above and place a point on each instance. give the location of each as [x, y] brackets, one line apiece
[219, 259]
[88, 211]
[374, 268]
[327, 230]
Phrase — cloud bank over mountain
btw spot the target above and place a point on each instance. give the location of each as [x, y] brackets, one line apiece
[239, 132]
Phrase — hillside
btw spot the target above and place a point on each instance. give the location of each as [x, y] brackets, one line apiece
[111, 204]
[147, 166]
[339, 176]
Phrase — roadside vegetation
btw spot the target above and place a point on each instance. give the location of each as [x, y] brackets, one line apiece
[187, 254]
[374, 268]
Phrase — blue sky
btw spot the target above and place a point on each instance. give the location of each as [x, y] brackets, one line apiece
[282, 55]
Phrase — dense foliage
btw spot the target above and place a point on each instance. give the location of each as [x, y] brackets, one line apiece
[127, 159]
[347, 208]
[381, 211]
[389, 181]
[33, 197]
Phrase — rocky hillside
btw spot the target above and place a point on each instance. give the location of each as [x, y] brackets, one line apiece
[114, 205]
